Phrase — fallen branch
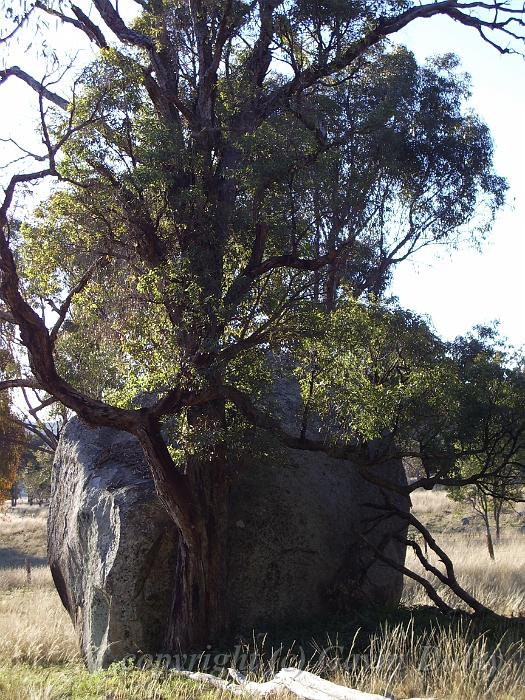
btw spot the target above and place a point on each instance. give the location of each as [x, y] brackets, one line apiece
[303, 684]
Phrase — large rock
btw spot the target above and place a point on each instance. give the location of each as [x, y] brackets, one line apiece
[111, 546]
[296, 550]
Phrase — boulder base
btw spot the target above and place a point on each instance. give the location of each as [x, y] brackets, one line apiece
[295, 550]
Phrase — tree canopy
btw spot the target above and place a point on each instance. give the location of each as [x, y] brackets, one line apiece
[392, 172]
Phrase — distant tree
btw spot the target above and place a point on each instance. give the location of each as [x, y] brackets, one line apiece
[12, 446]
[505, 494]
[27, 440]
[488, 498]
[493, 422]
[35, 472]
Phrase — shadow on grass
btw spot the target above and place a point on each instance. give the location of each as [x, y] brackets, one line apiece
[352, 633]
[11, 558]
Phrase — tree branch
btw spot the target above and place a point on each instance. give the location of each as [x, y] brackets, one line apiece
[37, 86]
[263, 105]
[66, 304]
[81, 22]
[46, 436]
[26, 382]
[448, 578]
[429, 588]
[6, 317]
[117, 25]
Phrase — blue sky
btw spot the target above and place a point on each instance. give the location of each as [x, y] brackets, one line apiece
[460, 289]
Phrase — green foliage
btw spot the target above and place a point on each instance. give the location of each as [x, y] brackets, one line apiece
[409, 158]
[12, 443]
[492, 423]
[35, 469]
[376, 161]
[12, 435]
[363, 366]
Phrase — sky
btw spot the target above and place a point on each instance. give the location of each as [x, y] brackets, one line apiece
[461, 289]
[457, 289]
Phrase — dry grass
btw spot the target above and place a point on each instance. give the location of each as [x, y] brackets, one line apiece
[414, 656]
[440, 662]
[34, 627]
[432, 502]
[17, 577]
[22, 535]
[499, 584]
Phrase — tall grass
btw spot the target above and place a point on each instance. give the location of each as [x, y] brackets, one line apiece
[443, 662]
[39, 657]
[34, 627]
[499, 584]
[18, 577]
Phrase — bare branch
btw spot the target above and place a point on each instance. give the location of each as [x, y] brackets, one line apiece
[41, 406]
[37, 86]
[429, 588]
[448, 578]
[19, 25]
[47, 437]
[26, 382]
[81, 22]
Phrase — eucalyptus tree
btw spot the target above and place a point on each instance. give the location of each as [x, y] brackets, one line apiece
[494, 397]
[12, 444]
[230, 174]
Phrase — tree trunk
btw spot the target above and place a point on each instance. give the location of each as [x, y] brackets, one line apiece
[198, 614]
[498, 506]
[490, 544]
[197, 500]
[498, 528]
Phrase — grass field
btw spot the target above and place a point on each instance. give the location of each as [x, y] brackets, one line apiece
[499, 584]
[411, 652]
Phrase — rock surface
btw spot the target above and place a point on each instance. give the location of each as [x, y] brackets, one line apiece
[295, 550]
[111, 546]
